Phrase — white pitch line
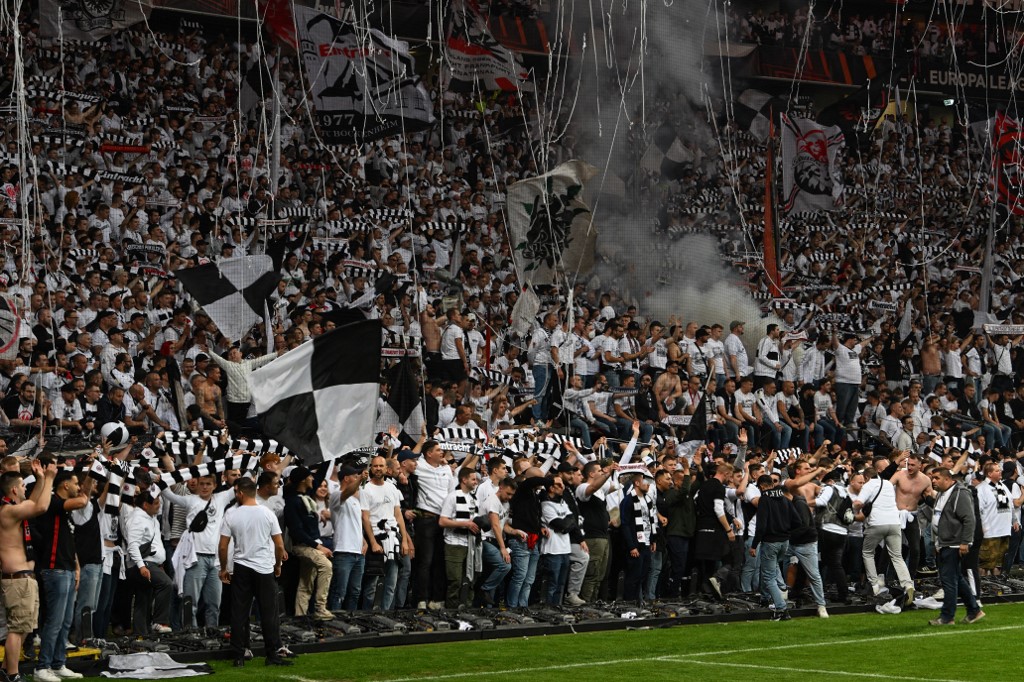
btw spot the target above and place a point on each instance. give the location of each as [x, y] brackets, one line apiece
[306, 679]
[690, 658]
[512, 671]
[862, 640]
[843, 673]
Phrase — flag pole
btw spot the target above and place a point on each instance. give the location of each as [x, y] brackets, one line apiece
[770, 252]
[275, 154]
[985, 297]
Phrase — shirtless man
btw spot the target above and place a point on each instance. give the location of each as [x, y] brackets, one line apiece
[208, 399]
[931, 368]
[431, 339]
[18, 581]
[910, 485]
[668, 389]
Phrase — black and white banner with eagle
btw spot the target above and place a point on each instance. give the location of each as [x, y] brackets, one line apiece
[550, 224]
[475, 59]
[90, 20]
[364, 83]
[811, 179]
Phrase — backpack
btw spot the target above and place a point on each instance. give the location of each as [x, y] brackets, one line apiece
[838, 510]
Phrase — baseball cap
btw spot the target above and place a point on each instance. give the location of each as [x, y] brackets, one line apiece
[349, 470]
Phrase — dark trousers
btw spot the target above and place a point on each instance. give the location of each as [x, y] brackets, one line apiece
[678, 552]
[1011, 554]
[247, 585]
[832, 546]
[429, 582]
[637, 569]
[152, 598]
[912, 552]
[954, 584]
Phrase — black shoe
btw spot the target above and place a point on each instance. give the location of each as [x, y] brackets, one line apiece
[278, 661]
[782, 615]
[239, 662]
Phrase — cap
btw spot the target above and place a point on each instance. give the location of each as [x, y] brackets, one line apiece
[736, 323]
[566, 468]
[136, 316]
[115, 330]
[406, 454]
[633, 326]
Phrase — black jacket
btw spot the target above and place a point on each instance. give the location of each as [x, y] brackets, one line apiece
[776, 517]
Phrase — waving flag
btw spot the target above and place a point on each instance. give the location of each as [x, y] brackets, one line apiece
[320, 400]
[364, 83]
[1007, 138]
[549, 223]
[475, 58]
[811, 179]
[232, 291]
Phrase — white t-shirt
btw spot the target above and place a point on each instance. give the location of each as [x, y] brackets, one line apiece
[716, 349]
[822, 405]
[250, 526]
[749, 495]
[380, 501]
[996, 514]
[348, 524]
[434, 485]
[848, 369]
[493, 505]
[746, 401]
[734, 346]
[883, 510]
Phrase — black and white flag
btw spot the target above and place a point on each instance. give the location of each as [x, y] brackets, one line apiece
[232, 291]
[320, 400]
[364, 82]
[403, 407]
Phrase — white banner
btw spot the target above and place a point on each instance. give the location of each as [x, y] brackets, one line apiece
[811, 180]
[364, 83]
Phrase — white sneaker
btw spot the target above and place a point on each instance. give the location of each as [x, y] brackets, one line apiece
[879, 588]
[161, 629]
[422, 606]
[940, 595]
[822, 612]
[45, 675]
[66, 673]
[574, 600]
[435, 605]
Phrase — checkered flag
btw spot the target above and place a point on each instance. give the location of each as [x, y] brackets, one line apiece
[752, 109]
[232, 291]
[320, 400]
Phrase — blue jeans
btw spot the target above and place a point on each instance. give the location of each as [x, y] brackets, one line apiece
[402, 586]
[59, 592]
[954, 585]
[584, 427]
[556, 570]
[524, 572]
[780, 435]
[832, 431]
[769, 553]
[88, 596]
[846, 403]
[346, 583]
[654, 576]
[751, 568]
[370, 583]
[541, 374]
[202, 582]
[494, 567]
[625, 428]
[807, 555]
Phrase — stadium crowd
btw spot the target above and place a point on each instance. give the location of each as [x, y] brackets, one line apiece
[865, 33]
[875, 389]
